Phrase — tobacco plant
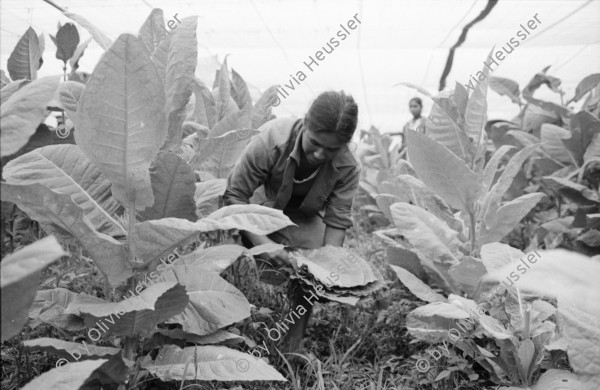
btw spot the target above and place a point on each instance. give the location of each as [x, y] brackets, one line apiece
[127, 197]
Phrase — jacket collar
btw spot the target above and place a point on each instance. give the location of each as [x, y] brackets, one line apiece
[343, 159]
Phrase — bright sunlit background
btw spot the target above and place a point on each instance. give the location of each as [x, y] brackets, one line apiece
[268, 40]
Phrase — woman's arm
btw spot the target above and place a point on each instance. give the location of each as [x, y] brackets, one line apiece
[334, 236]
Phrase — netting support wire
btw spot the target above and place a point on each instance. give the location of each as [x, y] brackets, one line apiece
[463, 36]
[61, 9]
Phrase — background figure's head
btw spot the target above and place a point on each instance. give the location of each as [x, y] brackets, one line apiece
[416, 105]
[329, 125]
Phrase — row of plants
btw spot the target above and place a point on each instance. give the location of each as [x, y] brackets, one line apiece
[467, 186]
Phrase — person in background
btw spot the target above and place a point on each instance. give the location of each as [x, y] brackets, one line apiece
[304, 168]
[417, 123]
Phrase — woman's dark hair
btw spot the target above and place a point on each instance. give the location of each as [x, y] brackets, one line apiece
[416, 100]
[335, 112]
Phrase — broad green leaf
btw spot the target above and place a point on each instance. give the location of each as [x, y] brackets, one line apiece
[323, 264]
[384, 202]
[97, 34]
[121, 124]
[261, 112]
[69, 94]
[444, 129]
[213, 303]
[160, 56]
[67, 39]
[218, 155]
[526, 353]
[496, 255]
[419, 195]
[153, 238]
[404, 258]
[557, 380]
[205, 111]
[584, 126]
[10, 88]
[181, 65]
[209, 363]
[428, 234]
[137, 314]
[505, 87]
[552, 138]
[239, 92]
[573, 191]
[74, 61]
[476, 112]
[49, 207]
[69, 350]
[499, 222]
[49, 306]
[153, 29]
[442, 171]
[489, 172]
[461, 98]
[587, 84]
[20, 276]
[432, 322]
[23, 112]
[238, 120]
[173, 186]
[71, 378]
[218, 337]
[24, 61]
[215, 258]
[65, 169]
[468, 273]
[224, 90]
[593, 150]
[513, 167]
[207, 196]
[417, 287]
[493, 327]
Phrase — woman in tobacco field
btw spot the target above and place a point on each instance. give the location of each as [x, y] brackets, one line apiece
[304, 168]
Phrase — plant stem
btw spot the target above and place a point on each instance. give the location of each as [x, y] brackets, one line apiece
[526, 320]
[472, 232]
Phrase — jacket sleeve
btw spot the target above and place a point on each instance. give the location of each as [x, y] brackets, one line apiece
[249, 172]
[338, 212]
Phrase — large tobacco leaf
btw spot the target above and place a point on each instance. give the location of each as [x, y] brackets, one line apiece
[49, 307]
[416, 286]
[224, 90]
[503, 220]
[261, 112]
[152, 31]
[96, 33]
[476, 115]
[428, 234]
[137, 314]
[218, 155]
[205, 110]
[121, 119]
[73, 378]
[552, 137]
[24, 61]
[584, 127]
[239, 119]
[207, 196]
[59, 210]
[20, 275]
[506, 87]
[181, 65]
[66, 41]
[443, 172]
[173, 187]
[23, 112]
[213, 303]
[432, 322]
[239, 92]
[209, 363]
[66, 348]
[69, 94]
[215, 259]
[10, 88]
[153, 238]
[66, 170]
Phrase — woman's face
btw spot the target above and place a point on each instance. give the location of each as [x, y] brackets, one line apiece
[415, 109]
[320, 146]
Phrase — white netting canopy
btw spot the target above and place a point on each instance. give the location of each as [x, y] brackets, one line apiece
[268, 41]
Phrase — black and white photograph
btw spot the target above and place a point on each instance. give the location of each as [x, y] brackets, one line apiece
[300, 194]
